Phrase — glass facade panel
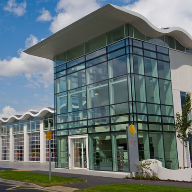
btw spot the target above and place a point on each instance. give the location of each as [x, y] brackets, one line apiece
[138, 66]
[77, 99]
[61, 84]
[119, 109]
[62, 152]
[150, 67]
[143, 141]
[95, 44]
[170, 148]
[118, 90]
[165, 92]
[98, 94]
[152, 89]
[75, 52]
[117, 67]
[120, 152]
[97, 73]
[100, 152]
[115, 35]
[76, 80]
[156, 146]
[164, 70]
[140, 88]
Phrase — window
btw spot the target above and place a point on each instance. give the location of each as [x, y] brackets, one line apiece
[117, 67]
[98, 94]
[76, 80]
[115, 35]
[95, 44]
[152, 89]
[118, 90]
[150, 67]
[97, 73]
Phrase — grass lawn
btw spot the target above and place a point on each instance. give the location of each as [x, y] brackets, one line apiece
[133, 187]
[39, 179]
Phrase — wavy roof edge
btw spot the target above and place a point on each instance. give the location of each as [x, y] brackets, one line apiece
[99, 22]
[41, 113]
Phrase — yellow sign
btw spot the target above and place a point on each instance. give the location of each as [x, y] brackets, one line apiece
[132, 130]
[48, 134]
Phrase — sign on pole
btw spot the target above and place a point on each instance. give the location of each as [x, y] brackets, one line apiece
[133, 147]
[48, 134]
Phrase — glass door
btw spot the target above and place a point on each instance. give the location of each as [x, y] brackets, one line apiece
[79, 153]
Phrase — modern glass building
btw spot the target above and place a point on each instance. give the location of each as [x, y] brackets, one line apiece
[113, 69]
[23, 137]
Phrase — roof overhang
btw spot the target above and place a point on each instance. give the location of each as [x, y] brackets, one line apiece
[99, 22]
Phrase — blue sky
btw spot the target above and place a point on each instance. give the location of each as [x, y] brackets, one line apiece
[27, 82]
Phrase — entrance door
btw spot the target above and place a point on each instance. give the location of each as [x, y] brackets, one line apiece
[78, 152]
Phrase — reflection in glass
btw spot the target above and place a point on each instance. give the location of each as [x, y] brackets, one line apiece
[97, 73]
[118, 90]
[150, 67]
[152, 89]
[117, 67]
[170, 148]
[76, 80]
[120, 152]
[165, 92]
[77, 99]
[100, 157]
[156, 146]
[61, 103]
[143, 141]
[97, 94]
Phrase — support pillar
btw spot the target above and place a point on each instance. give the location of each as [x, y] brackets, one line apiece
[42, 143]
[0, 148]
[26, 143]
[11, 144]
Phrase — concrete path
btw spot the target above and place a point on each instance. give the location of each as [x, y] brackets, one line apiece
[93, 178]
[45, 167]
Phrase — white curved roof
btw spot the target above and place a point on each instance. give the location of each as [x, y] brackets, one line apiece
[28, 114]
[99, 22]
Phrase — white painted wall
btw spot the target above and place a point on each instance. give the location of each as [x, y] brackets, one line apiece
[168, 174]
[181, 76]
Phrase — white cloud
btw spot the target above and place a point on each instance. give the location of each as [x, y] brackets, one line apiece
[165, 13]
[45, 15]
[7, 112]
[68, 11]
[30, 41]
[38, 71]
[18, 9]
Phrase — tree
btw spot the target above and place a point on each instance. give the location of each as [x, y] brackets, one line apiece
[183, 125]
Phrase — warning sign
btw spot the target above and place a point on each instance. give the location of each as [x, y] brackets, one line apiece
[48, 134]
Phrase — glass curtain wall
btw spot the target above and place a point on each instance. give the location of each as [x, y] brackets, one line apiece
[102, 92]
[34, 146]
[5, 148]
[19, 147]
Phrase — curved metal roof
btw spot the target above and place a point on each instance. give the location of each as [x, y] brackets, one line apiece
[28, 114]
[99, 22]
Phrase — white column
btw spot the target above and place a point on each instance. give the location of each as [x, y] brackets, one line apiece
[11, 144]
[0, 148]
[26, 143]
[42, 143]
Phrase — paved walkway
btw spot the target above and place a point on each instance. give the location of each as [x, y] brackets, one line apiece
[93, 178]
[45, 167]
